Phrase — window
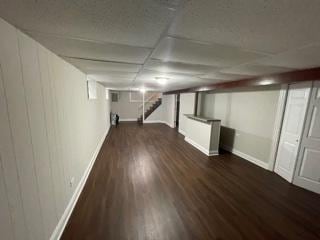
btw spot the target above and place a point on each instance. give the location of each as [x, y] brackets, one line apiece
[114, 97]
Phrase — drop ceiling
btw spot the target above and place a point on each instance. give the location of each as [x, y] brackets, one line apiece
[130, 44]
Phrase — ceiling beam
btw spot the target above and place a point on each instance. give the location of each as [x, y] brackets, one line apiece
[267, 80]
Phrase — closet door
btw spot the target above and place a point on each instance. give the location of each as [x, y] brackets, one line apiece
[291, 131]
[307, 174]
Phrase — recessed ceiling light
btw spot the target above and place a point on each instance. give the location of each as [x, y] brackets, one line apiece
[143, 90]
[203, 89]
[267, 82]
[162, 80]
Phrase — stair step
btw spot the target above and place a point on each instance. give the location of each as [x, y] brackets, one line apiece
[150, 110]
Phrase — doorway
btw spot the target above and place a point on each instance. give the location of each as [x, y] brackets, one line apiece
[293, 122]
[177, 111]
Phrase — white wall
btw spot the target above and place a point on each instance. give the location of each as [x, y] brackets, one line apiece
[157, 115]
[49, 132]
[247, 119]
[165, 112]
[168, 102]
[131, 109]
[124, 108]
[186, 107]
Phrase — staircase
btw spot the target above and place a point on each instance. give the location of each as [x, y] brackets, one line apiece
[150, 110]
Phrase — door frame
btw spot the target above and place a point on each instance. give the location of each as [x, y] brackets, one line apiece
[281, 106]
[278, 131]
[177, 110]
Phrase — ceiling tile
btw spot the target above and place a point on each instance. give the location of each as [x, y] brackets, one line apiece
[177, 67]
[117, 85]
[151, 76]
[271, 26]
[185, 85]
[255, 70]
[223, 76]
[93, 50]
[306, 57]
[114, 77]
[209, 41]
[135, 22]
[178, 50]
[148, 79]
[89, 66]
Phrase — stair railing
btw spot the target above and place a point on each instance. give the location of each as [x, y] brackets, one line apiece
[149, 102]
[151, 99]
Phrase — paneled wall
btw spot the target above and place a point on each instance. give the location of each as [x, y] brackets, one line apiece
[49, 131]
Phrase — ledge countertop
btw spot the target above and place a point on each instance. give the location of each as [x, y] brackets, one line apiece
[201, 119]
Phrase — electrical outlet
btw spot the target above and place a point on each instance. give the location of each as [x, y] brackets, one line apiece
[71, 182]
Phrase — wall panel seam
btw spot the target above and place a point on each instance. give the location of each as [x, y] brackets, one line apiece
[46, 129]
[30, 134]
[6, 196]
[1, 165]
[14, 152]
[58, 139]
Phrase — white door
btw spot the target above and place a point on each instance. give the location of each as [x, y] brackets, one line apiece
[293, 121]
[307, 174]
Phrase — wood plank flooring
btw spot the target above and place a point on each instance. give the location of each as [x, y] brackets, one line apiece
[148, 183]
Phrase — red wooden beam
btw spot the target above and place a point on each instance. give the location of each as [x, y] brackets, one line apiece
[272, 79]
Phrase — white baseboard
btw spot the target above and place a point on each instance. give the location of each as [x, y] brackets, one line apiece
[128, 119]
[182, 132]
[152, 121]
[170, 125]
[67, 213]
[158, 121]
[202, 149]
[247, 157]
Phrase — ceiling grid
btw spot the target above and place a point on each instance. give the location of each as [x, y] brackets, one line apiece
[132, 44]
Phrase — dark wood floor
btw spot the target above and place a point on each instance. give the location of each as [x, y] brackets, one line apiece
[148, 183]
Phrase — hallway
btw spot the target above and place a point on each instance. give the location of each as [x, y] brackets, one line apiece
[148, 183]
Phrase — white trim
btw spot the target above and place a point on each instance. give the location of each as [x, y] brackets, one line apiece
[277, 126]
[247, 157]
[166, 123]
[128, 119]
[170, 125]
[202, 149]
[159, 121]
[181, 131]
[153, 121]
[143, 113]
[67, 212]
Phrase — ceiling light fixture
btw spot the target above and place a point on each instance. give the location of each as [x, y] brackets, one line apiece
[267, 82]
[161, 80]
[143, 90]
[203, 89]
